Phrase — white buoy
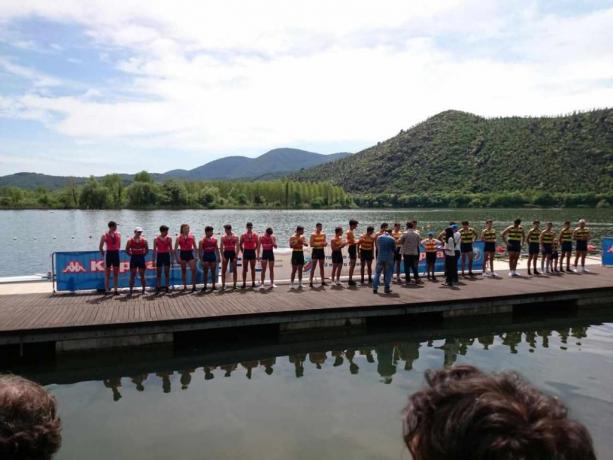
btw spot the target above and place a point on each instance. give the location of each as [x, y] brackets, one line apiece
[55, 237]
[14, 237]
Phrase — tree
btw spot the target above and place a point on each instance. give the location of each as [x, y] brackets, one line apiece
[94, 196]
[143, 176]
[175, 193]
[114, 184]
[143, 195]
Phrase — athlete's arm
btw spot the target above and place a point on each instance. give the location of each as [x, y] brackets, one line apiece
[504, 235]
[274, 242]
[240, 244]
[575, 234]
[128, 248]
[155, 241]
[101, 245]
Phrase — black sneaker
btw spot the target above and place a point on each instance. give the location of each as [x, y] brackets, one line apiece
[203, 289]
[351, 283]
[375, 291]
[388, 291]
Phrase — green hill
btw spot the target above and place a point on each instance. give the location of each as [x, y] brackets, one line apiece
[461, 152]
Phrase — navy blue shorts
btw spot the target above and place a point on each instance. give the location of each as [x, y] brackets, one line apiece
[209, 257]
[162, 259]
[249, 254]
[466, 247]
[430, 257]
[490, 246]
[337, 257]
[567, 246]
[366, 255]
[397, 255]
[267, 254]
[229, 255]
[547, 248]
[137, 262]
[318, 254]
[581, 245]
[186, 256]
[112, 258]
[533, 248]
[514, 246]
[353, 251]
[297, 258]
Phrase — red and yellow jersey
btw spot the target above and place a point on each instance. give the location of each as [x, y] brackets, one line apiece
[367, 242]
[296, 242]
[318, 240]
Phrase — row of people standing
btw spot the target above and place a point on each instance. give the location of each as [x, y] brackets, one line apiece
[254, 247]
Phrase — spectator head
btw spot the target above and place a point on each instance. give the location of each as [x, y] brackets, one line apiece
[489, 222]
[549, 225]
[384, 226]
[370, 229]
[491, 416]
[353, 223]
[410, 225]
[454, 227]
[29, 426]
[338, 231]
[536, 223]
[430, 234]
[300, 229]
[448, 233]
[112, 225]
[396, 225]
[163, 229]
[517, 221]
[269, 231]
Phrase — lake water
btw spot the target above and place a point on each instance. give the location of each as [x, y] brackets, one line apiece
[31, 236]
[310, 398]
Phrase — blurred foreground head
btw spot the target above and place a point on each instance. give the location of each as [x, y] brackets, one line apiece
[29, 425]
[463, 413]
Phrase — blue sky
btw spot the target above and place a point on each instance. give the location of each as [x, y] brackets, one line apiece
[97, 87]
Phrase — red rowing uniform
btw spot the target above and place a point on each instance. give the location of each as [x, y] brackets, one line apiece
[163, 244]
[186, 243]
[229, 242]
[267, 242]
[112, 241]
[209, 244]
[137, 247]
[250, 240]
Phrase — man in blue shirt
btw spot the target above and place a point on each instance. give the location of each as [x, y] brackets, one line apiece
[386, 248]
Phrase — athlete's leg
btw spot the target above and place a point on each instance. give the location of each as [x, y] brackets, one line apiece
[264, 264]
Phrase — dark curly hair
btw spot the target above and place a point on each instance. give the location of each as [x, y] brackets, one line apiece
[29, 426]
[465, 414]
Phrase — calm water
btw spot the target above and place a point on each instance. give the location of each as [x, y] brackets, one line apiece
[31, 236]
[310, 398]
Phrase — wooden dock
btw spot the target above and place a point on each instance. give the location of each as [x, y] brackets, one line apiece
[96, 321]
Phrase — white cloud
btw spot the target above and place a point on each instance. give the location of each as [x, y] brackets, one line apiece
[233, 76]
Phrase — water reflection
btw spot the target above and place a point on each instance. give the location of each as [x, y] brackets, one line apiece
[387, 358]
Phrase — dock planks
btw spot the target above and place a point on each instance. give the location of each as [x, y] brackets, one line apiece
[29, 313]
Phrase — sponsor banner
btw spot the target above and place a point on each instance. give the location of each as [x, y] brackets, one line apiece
[607, 251]
[85, 270]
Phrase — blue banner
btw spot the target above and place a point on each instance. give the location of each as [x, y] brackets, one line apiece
[607, 251]
[84, 270]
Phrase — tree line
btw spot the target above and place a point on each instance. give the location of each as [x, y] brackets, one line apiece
[526, 199]
[111, 192]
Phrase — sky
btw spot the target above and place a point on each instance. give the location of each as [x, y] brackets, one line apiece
[93, 87]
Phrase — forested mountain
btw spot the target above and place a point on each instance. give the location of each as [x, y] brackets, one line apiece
[273, 164]
[457, 151]
[270, 164]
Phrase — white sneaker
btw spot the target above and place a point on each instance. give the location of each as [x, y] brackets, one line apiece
[338, 283]
[511, 274]
[300, 285]
[291, 285]
[273, 285]
[488, 274]
[585, 270]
